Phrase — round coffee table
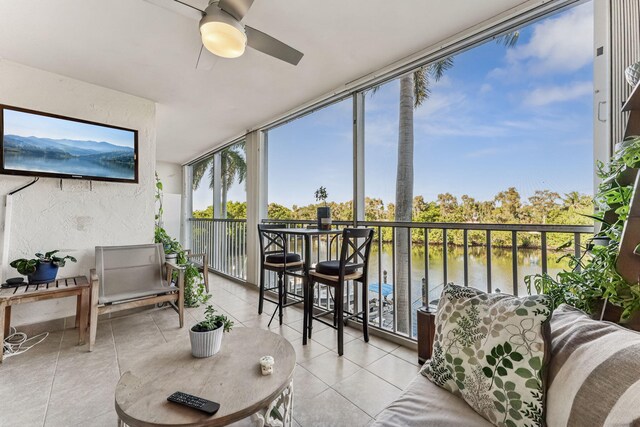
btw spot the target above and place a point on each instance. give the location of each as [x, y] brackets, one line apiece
[232, 377]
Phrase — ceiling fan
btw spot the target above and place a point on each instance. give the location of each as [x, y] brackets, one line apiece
[224, 34]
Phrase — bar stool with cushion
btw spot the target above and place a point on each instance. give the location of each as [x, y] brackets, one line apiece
[274, 256]
[352, 265]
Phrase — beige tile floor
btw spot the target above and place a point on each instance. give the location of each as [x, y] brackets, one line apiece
[60, 384]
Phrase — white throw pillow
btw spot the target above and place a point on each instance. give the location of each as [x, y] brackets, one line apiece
[491, 350]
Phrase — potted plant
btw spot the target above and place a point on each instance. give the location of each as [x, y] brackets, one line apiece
[171, 246]
[593, 283]
[42, 269]
[206, 336]
[324, 212]
[194, 289]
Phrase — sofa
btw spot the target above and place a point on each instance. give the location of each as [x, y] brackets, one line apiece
[593, 379]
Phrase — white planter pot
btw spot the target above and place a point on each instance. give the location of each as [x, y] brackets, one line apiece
[171, 257]
[206, 344]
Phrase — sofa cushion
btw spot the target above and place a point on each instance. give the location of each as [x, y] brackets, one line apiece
[490, 350]
[423, 403]
[594, 372]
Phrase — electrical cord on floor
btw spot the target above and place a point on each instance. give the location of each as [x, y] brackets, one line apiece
[17, 342]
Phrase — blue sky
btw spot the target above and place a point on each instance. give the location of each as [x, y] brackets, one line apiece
[500, 117]
[25, 124]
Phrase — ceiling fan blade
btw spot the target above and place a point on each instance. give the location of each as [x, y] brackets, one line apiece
[271, 46]
[236, 8]
[206, 60]
[183, 8]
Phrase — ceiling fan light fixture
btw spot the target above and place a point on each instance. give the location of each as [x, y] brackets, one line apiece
[222, 34]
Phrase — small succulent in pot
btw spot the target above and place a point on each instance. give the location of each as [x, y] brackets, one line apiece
[206, 336]
[43, 268]
[323, 212]
[213, 321]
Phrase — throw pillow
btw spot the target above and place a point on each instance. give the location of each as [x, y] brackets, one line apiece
[491, 350]
[594, 372]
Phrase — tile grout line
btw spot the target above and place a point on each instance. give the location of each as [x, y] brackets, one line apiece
[160, 330]
[55, 370]
[399, 358]
[115, 348]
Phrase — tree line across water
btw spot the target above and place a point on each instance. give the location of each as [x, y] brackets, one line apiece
[506, 207]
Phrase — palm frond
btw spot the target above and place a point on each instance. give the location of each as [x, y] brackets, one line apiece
[509, 39]
[421, 89]
[199, 169]
[438, 68]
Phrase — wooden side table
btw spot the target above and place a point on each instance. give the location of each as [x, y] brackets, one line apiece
[60, 288]
[232, 378]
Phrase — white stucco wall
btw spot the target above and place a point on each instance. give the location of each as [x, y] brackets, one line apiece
[171, 176]
[76, 218]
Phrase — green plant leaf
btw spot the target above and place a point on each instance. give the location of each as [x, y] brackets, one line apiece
[535, 363]
[499, 395]
[515, 414]
[498, 382]
[515, 356]
[507, 363]
[487, 372]
[524, 373]
[491, 360]
[532, 383]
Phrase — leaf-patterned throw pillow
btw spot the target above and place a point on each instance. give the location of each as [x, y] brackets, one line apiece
[491, 350]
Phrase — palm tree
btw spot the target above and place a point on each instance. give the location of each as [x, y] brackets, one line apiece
[414, 90]
[233, 166]
[572, 200]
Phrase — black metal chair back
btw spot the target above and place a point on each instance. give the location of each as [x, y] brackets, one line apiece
[355, 252]
[271, 243]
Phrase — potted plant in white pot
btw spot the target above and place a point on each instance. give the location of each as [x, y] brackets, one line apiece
[324, 212]
[206, 336]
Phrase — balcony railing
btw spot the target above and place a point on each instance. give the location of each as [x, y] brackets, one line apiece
[225, 241]
[492, 257]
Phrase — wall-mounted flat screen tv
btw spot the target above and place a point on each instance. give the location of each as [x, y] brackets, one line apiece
[42, 144]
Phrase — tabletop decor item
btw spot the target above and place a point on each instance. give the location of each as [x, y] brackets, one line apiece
[324, 212]
[266, 365]
[43, 268]
[206, 336]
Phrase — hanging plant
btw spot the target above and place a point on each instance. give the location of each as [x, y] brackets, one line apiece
[194, 289]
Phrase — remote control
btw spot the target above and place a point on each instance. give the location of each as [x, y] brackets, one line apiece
[194, 402]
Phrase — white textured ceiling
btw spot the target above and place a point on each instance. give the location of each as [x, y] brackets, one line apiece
[140, 48]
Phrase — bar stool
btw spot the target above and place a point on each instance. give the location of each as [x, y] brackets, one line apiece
[352, 265]
[274, 256]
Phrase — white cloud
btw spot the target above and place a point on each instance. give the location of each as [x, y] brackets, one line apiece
[548, 95]
[485, 88]
[560, 44]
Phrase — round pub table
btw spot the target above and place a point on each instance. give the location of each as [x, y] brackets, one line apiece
[232, 377]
